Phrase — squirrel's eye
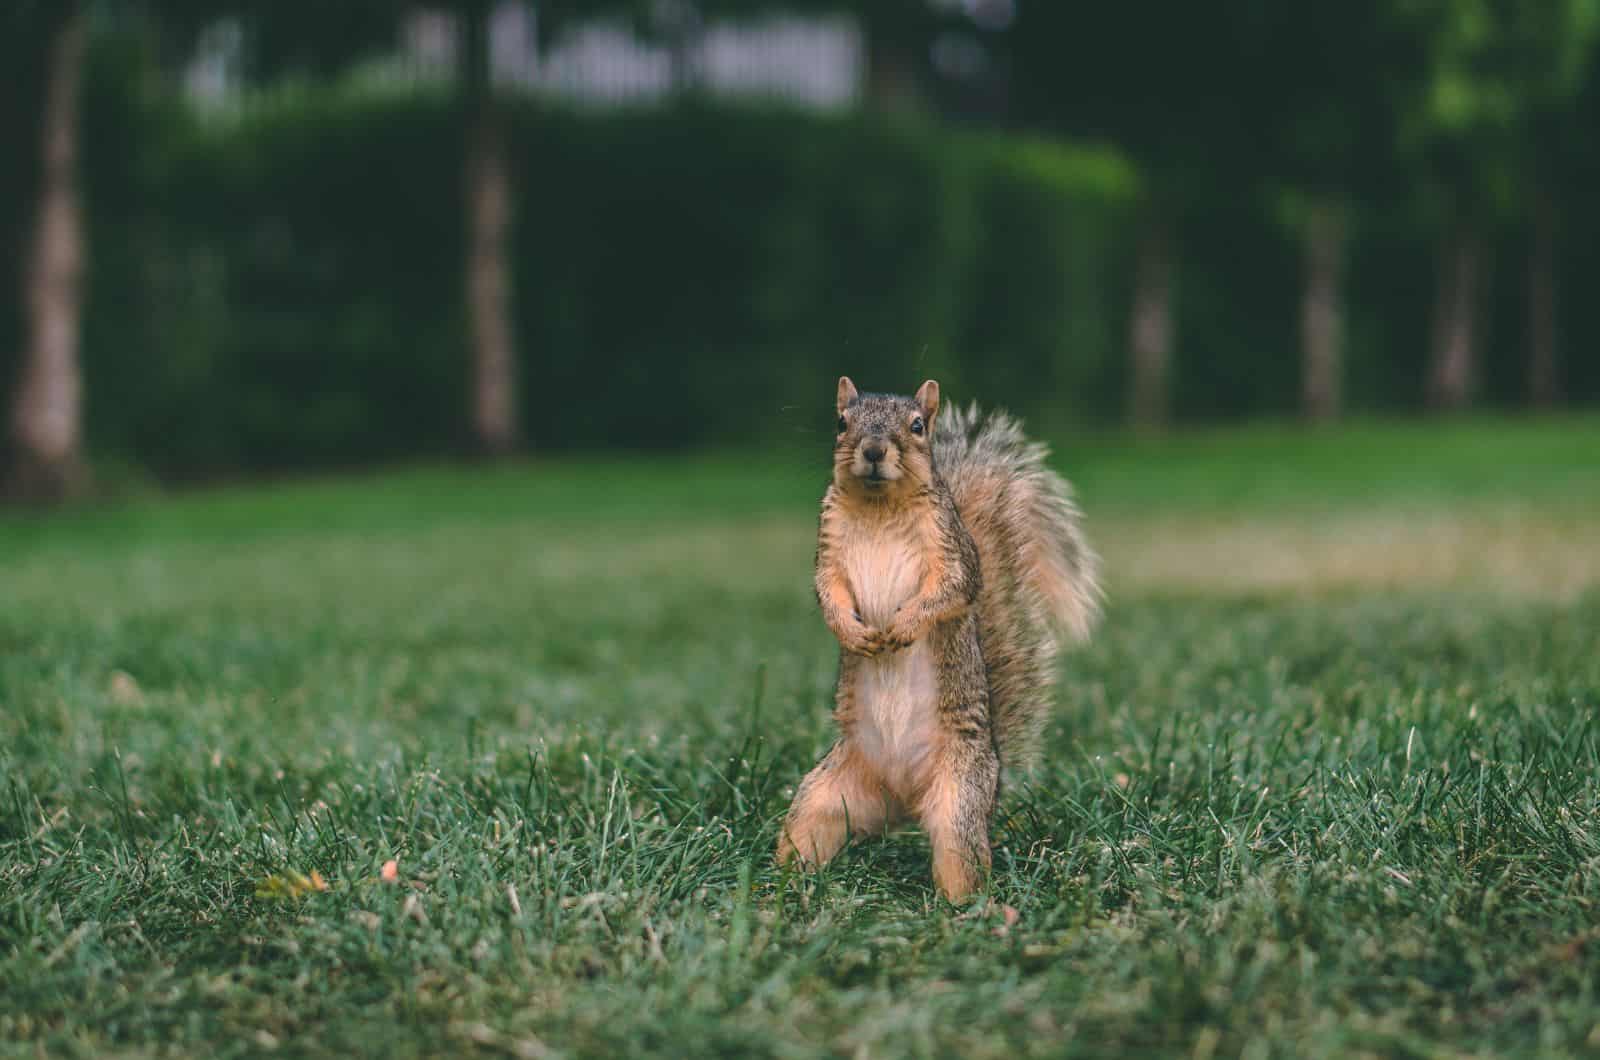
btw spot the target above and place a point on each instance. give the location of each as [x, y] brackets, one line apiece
[916, 425]
[841, 424]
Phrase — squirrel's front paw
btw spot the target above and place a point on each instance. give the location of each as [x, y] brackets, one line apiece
[900, 634]
[880, 641]
[860, 640]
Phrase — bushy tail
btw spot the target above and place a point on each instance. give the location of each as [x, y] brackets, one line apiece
[1040, 578]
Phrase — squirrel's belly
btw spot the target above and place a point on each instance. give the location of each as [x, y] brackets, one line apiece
[897, 700]
[884, 571]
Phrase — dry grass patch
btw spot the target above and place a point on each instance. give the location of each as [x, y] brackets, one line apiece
[1505, 549]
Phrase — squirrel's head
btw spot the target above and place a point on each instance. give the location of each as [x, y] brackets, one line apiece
[884, 442]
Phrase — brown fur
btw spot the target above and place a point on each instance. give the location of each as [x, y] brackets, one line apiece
[945, 596]
[1040, 576]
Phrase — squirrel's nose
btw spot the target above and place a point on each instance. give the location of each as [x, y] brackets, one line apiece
[873, 451]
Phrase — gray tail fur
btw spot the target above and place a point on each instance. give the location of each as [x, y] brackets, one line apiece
[1040, 577]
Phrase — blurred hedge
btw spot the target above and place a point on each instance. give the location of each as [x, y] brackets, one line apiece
[281, 288]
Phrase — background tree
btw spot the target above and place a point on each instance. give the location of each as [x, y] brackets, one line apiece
[1162, 83]
[898, 35]
[1556, 133]
[486, 183]
[46, 414]
[1327, 111]
[1488, 75]
[299, 37]
[46, 429]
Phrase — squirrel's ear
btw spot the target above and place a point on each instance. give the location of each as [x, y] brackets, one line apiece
[847, 394]
[928, 398]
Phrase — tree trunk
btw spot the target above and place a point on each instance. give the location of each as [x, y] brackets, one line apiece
[892, 82]
[1544, 383]
[1454, 366]
[488, 269]
[682, 26]
[46, 416]
[1150, 328]
[1322, 316]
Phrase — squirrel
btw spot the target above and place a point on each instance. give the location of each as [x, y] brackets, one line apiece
[951, 566]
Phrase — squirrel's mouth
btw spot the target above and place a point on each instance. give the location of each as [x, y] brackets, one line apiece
[875, 474]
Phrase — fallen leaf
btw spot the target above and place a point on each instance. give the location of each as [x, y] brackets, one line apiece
[290, 885]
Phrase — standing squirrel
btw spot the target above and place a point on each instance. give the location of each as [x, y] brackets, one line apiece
[950, 565]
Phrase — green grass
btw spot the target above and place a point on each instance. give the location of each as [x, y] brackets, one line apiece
[1344, 805]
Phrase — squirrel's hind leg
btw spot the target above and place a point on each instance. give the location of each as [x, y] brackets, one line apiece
[955, 809]
[841, 797]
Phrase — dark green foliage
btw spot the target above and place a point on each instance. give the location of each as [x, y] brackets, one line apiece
[1313, 823]
[281, 288]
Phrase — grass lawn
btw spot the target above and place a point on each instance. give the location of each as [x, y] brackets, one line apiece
[1326, 782]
